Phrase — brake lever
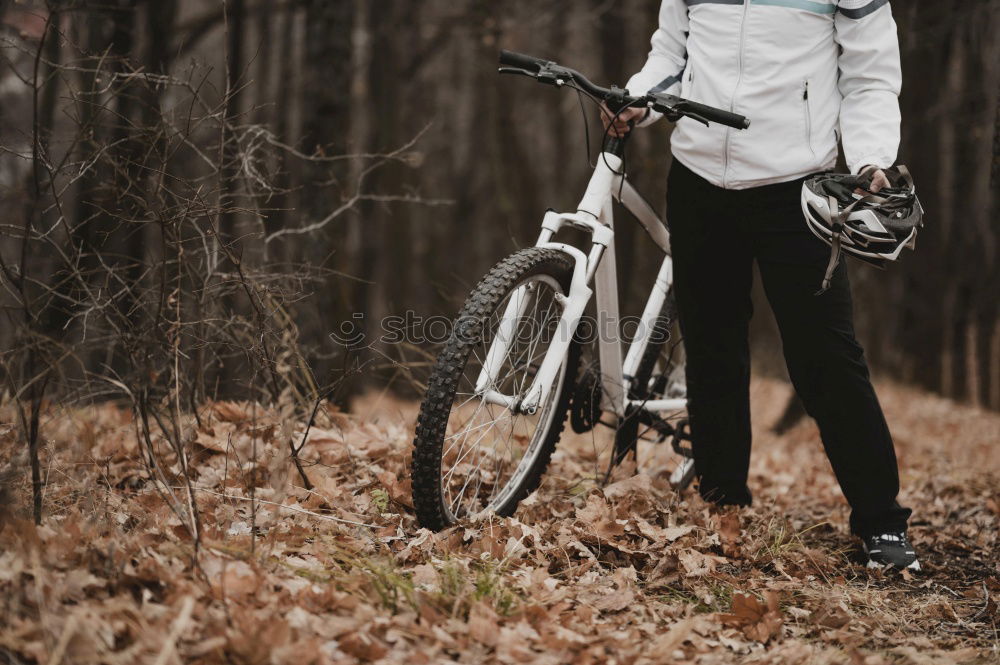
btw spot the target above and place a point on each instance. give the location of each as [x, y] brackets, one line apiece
[544, 75]
[674, 115]
[695, 116]
[552, 74]
[518, 71]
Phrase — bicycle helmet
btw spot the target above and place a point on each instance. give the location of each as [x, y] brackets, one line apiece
[841, 211]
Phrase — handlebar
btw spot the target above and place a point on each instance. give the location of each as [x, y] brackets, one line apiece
[546, 71]
[698, 111]
[521, 61]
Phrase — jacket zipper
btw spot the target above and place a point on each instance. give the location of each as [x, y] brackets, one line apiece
[809, 131]
[732, 101]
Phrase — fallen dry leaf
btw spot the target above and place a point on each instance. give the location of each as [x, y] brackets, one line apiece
[759, 621]
[631, 572]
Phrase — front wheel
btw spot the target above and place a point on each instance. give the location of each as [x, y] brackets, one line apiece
[470, 454]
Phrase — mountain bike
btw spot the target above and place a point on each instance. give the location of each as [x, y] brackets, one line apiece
[501, 389]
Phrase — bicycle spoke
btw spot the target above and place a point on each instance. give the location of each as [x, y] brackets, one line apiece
[461, 457]
[474, 447]
[488, 447]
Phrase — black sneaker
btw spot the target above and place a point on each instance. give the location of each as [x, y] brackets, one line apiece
[890, 549]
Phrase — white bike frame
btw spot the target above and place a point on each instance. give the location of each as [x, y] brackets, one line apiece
[598, 267]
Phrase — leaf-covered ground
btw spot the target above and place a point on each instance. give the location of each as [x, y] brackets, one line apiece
[631, 573]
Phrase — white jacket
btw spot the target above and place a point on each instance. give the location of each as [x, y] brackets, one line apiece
[806, 73]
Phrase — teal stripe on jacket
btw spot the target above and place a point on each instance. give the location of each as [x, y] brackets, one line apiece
[807, 5]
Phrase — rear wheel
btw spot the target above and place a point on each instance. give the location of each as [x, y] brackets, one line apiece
[660, 376]
[471, 455]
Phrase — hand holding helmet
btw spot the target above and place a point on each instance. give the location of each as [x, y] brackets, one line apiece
[878, 178]
[862, 216]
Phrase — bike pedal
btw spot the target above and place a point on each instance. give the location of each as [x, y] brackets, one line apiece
[682, 433]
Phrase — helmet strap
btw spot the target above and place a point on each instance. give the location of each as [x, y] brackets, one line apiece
[831, 267]
[894, 199]
[837, 226]
[907, 178]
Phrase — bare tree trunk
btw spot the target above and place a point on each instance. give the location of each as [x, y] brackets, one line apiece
[264, 56]
[326, 124]
[973, 386]
[361, 137]
[994, 365]
[235, 25]
[948, 325]
[36, 368]
[283, 124]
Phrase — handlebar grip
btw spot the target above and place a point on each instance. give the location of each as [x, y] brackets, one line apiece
[720, 116]
[521, 61]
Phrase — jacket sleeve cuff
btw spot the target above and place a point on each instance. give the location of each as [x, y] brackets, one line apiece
[651, 117]
[870, 160]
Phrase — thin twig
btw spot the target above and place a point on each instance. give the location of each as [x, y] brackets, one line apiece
[67, 634]
[293, 509]
[176, 628]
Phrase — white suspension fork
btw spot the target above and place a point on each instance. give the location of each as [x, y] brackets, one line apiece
[573, 306]
[500, 347]
[594, 213]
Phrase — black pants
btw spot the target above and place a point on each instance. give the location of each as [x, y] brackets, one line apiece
[716, 234]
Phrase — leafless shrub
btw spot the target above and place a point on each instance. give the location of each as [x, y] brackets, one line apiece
[140, 267]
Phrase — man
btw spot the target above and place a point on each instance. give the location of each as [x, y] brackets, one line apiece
[808, 74]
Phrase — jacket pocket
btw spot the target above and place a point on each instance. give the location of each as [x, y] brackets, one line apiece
[687, 83]
[807, 110]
